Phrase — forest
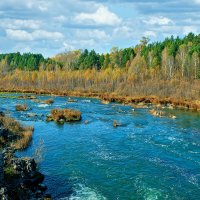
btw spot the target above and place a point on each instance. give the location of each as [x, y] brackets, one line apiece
[170, 68]
[25, 62]
[172, 57]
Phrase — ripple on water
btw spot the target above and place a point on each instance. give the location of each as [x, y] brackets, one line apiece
[43, 105]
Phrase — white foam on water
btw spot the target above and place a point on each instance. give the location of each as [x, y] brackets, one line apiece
[43, 105]
[152, 194]
[147, 192]
[86, 101]
[85, 193]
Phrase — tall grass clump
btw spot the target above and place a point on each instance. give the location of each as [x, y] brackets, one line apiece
[15, 133]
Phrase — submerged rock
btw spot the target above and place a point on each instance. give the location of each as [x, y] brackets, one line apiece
[48, 101]
[2, 114]
[21, 107]
[105, 102]
[70, 100]
[157, 113]
[47, 197]
[32, 115]
[116, 124]
[86, 122]
[172, 116]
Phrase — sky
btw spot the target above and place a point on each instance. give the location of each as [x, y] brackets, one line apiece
[55, 26]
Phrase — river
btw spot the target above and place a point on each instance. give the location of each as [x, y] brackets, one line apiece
[146, 158]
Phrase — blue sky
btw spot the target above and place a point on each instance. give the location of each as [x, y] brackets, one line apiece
[53, 26]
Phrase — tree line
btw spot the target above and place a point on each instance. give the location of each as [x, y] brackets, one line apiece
[173, 58]
[25, 62]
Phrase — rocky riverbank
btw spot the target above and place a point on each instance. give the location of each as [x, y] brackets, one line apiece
[19, 177]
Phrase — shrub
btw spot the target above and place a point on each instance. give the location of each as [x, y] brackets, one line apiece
[66, 115]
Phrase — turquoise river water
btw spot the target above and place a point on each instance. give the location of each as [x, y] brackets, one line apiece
[147, 158]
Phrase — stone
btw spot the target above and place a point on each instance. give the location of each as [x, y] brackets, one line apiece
[24, 166]
[42, 187]
[70, 100]
[2, 114]
[3, 132]
[47, 197]
[22, 107]
[3, 193]
[37, 179]
[32, 115]
[105, 102]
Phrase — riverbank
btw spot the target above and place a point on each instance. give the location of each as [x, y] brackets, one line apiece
[135, 101]
[20, 178]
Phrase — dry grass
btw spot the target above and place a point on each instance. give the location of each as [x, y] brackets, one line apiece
[109, 85]
[11, 125]
[66, 115]
[20, 136]
[25, 139]
[27, 97]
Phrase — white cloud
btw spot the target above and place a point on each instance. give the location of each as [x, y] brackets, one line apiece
[60, 18]
[20, 24]
[150, 34]
[102, 16]
[67, 46]
[188, 29]
[35, 35]
[86, 43]
[123, 31]
[38, 4]
[160, 20]
[93, 34]
[78, 44]
[18, 34]
[197, 1]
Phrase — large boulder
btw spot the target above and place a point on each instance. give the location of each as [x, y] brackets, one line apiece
[48, 101]
[24, 166]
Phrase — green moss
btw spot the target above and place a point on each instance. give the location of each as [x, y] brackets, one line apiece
[9, 172]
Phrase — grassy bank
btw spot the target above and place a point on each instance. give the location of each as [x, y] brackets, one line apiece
[176, 103]
[14, 134]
